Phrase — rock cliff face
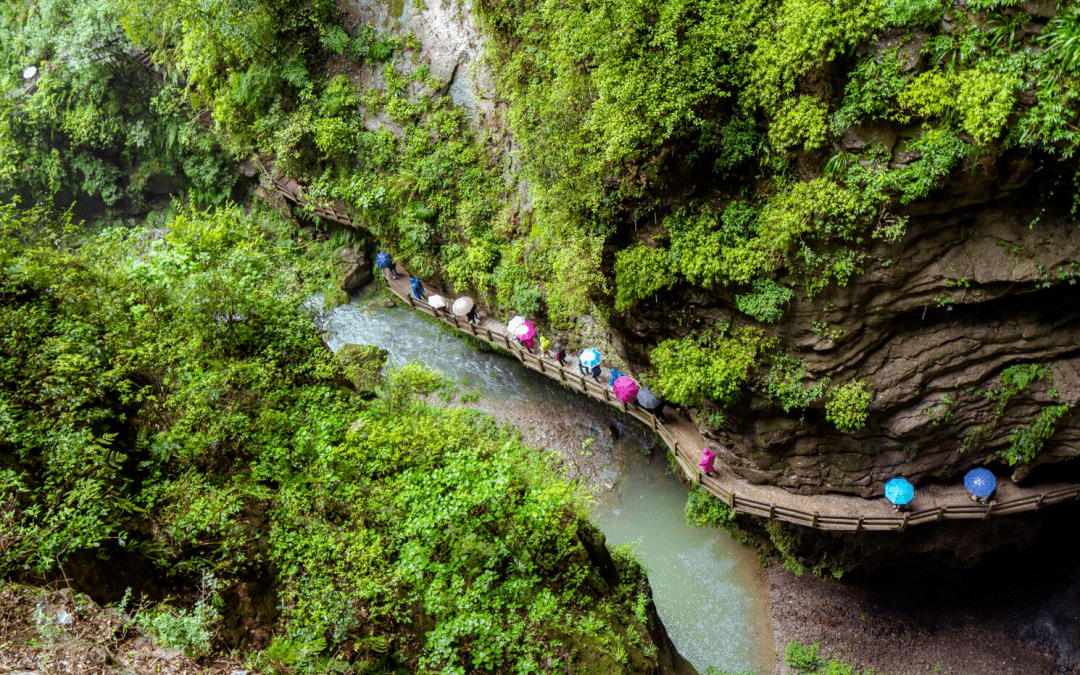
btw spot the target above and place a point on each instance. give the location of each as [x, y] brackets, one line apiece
[984, 281]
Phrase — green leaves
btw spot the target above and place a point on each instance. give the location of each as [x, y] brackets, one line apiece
[705, 366]
[846, 406]
[640, 271]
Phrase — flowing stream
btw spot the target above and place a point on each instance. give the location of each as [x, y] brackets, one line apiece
[707, 588]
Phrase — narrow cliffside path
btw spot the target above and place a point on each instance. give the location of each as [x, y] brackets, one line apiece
[823, 511]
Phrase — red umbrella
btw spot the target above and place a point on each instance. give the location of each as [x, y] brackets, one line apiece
[625, 389]
[526, 331]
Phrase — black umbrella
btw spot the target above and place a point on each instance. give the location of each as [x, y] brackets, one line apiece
[646, 399]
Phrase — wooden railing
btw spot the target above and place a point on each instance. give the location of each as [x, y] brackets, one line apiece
[727, 488]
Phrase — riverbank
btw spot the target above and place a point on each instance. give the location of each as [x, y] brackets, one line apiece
[1015, 613]
[884, 623]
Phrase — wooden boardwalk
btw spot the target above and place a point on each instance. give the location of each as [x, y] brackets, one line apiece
[825, 512]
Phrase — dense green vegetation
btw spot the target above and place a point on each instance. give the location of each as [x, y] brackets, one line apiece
[165, 396]
[613, 106]
[616, 103]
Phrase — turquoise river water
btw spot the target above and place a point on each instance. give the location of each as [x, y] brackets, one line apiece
[708, 589]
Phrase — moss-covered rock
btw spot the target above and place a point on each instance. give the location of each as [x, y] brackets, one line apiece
[361, 365]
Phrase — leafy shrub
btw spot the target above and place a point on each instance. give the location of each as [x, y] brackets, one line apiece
[527, 301]
[1061, 39]
[738, 143]
[705, 366]
[872, 88]
[800, 121]
[784, 383]
[940, 152]
[764, 302]
[640, 271]
[190, 630]
[1025, 443]
[703, 509]
[846, 406]
[336, 40]
[905, 13]
[978, 99]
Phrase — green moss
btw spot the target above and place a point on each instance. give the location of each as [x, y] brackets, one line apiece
[846, 405]
[361, 365]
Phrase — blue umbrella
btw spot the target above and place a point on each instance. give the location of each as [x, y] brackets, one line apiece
[980, 482]
[589, 358]
[615, 374]
[383, 260]
[899, 491]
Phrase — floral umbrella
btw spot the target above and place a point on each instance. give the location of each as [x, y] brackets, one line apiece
[463, 305]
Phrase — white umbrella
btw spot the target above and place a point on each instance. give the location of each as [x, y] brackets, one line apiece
[29, 72]
[514, 324]
[463, 305]
[436, 301]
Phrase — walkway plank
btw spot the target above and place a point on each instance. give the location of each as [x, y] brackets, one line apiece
[824, 511]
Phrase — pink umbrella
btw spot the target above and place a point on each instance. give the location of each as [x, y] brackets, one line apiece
[625, 389]
[526, 331]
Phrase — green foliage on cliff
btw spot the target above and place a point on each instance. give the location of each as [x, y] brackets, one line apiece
[640, 271]
[94, 122]
[1025, 443]
[165, 395]
[806, 661]
[708, 365]
[846, 404]
[764, 300]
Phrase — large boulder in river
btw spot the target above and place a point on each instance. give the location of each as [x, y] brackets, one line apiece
[357, 269]
[361, 365]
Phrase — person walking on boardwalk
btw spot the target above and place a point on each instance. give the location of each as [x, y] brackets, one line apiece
[545, 344]
[706, 463]
[900, 493]
[474, 315]
[417, 288]
[560, 355]
[587, 361]
[615, 374]
[981, 484]
[596, 371]
[385, 261]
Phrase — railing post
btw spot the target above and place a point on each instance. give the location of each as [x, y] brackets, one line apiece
[941, 513]
[989, 508]
[813, 520]
[772, 511]
[903, 525]
[1039, 502]
[858, 525]
[542, 367]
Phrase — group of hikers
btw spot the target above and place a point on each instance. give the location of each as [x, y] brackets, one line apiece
[980, 483]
